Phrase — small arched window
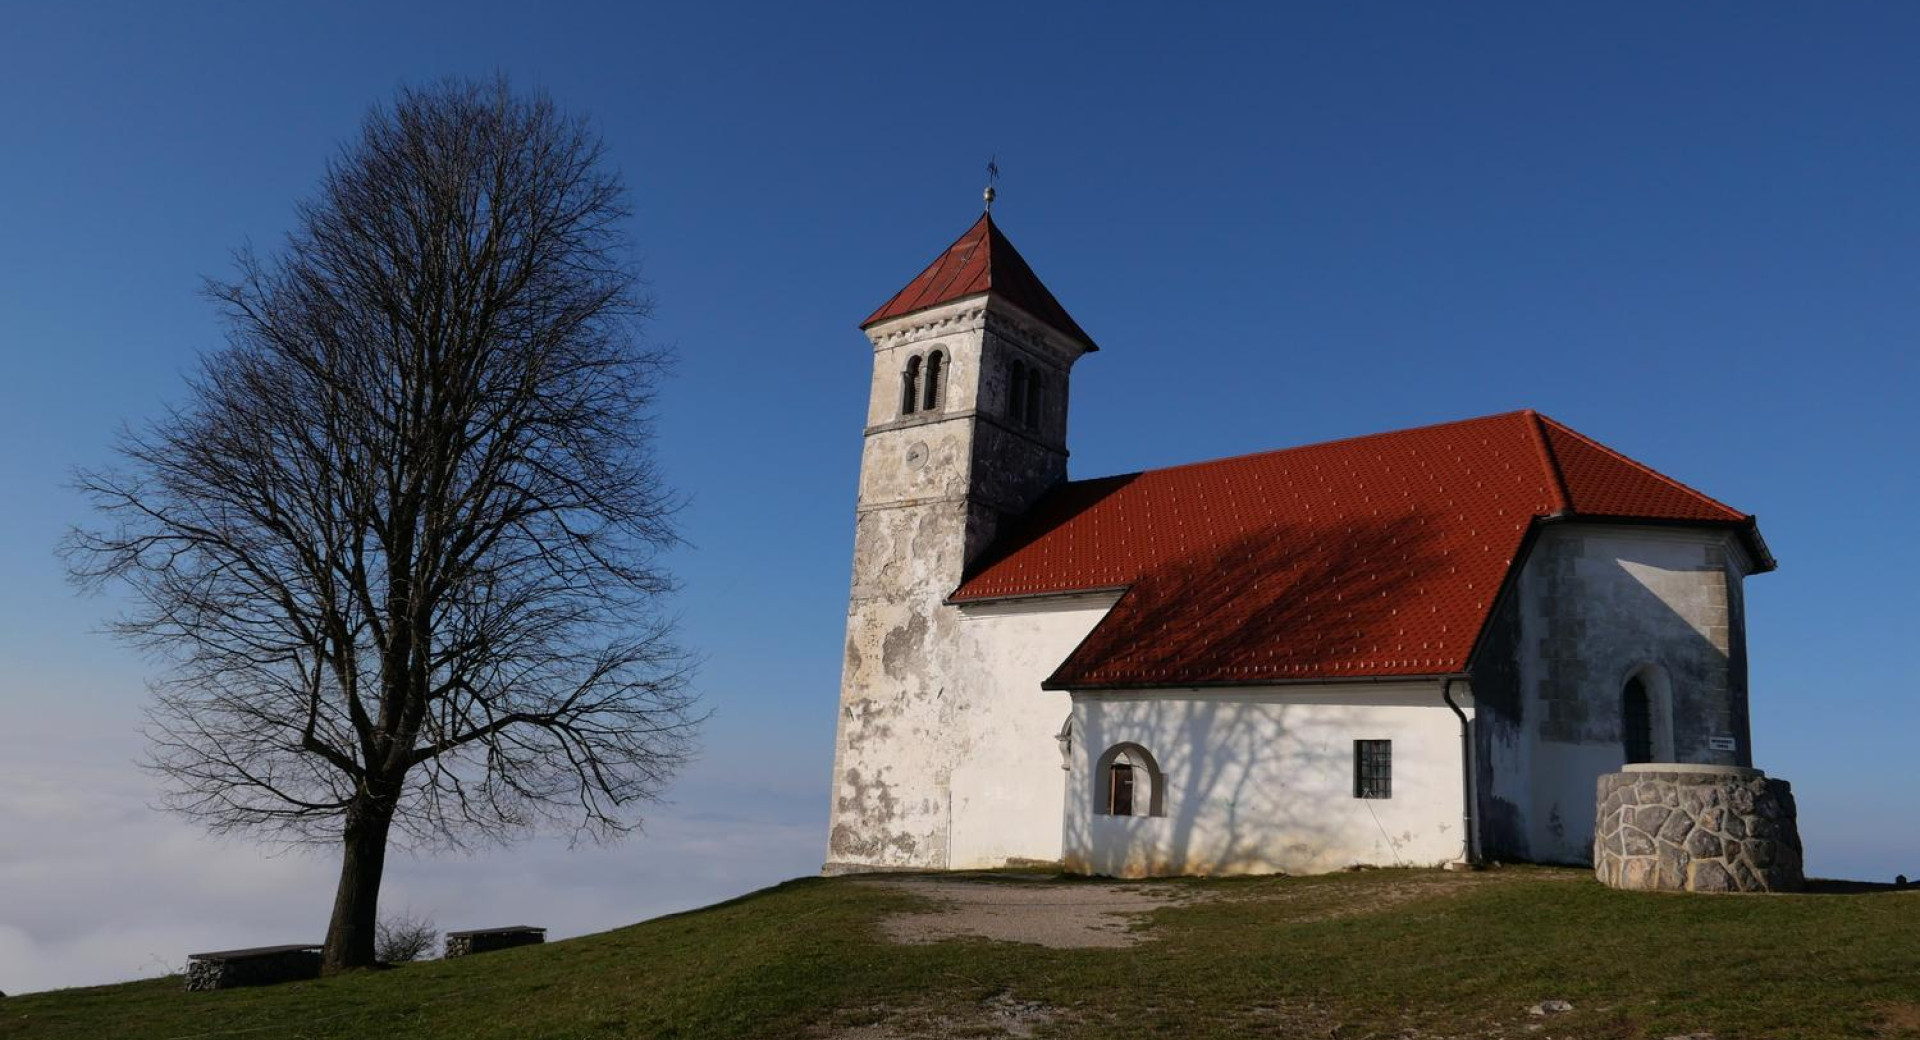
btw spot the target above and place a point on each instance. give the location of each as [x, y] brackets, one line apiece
[1646, 716]
[1036, 397]
[1120, 789]
[936, 388]
[1017, 393]
[1128, 782]
[910, 386]
[1636, 721]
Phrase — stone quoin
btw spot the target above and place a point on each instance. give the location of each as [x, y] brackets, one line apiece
[1415, 648]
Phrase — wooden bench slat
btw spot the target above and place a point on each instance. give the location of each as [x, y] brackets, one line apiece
[257, 951]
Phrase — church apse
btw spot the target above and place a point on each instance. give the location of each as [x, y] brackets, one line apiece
[1595, 608]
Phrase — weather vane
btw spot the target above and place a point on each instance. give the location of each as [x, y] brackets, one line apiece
[993, 176]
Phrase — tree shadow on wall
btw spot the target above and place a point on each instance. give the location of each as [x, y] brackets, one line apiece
[1280, 603]
[1291, 602]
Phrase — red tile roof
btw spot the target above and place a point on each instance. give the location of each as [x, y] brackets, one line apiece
[981, 261]
[1372, 557]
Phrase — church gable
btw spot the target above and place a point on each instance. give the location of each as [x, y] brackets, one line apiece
[1372, 557]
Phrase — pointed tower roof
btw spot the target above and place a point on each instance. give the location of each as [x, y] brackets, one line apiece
[982, 261]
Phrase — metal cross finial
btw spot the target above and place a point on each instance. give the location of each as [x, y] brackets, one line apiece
[993, 175]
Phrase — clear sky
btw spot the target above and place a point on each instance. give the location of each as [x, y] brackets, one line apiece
[1687, 230]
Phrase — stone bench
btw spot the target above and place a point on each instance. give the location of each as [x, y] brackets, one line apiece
[260, 966]
[486, 940]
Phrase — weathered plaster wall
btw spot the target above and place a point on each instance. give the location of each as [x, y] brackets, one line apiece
[889, 799]
[916, 702]
[1502, 749]
[1597, 604]
[1008, 786]
[1261, 780]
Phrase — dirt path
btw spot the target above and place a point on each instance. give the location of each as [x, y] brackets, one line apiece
[1063, 915]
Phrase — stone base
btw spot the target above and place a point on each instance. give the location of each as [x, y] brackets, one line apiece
[1685, 828]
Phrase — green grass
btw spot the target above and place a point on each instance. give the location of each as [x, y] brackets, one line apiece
[1377, 953]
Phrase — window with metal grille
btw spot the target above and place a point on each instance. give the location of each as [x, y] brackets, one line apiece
[1373, 769]
[1636, 721]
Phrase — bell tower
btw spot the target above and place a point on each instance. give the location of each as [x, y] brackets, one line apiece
[966, 428]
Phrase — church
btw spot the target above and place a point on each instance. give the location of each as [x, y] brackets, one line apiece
[1420, 647]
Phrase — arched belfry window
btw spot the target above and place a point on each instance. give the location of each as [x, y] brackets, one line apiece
[1128, 782]
[935, 395]
[1017, 392]
[1036, 397]
[910, 386]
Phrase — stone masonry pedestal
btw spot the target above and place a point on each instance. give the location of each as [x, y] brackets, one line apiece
[1669, 827]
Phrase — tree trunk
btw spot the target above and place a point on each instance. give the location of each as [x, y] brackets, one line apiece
[356, 904]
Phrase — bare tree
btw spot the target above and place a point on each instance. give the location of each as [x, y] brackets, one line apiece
[405, 938]
[399, 546]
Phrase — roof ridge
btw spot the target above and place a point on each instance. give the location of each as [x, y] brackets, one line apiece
[935, 262]
[1243, 456]
[1643, 467]
[986, 240]
[1562, 502]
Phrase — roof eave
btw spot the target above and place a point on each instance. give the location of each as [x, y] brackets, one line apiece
[1079, 337]
[878, 318]
[1763, 560]
[1053, 683]
[1748, 527]
[955, 599]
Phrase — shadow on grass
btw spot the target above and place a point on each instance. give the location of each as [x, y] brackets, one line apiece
[1833, 887]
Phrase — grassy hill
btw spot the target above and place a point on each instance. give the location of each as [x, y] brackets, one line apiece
[1403, 954]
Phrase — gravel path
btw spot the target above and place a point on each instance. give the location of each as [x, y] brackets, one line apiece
[1063, 915]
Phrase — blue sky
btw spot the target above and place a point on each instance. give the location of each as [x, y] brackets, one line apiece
[1687, 230]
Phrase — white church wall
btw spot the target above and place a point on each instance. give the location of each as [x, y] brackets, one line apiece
[1007, 786]
[1599, 604]
[1261, 780]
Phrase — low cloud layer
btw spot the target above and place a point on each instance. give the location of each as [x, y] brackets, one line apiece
[97, 887]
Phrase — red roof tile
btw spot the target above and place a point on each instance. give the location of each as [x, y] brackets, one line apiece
[981, 261]
[1371, 557]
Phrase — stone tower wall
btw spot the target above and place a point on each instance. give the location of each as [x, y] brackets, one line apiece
[935, 489]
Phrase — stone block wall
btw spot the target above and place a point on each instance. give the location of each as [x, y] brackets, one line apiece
[1675, 828]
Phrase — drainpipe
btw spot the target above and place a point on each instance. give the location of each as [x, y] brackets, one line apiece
[1467, 856]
